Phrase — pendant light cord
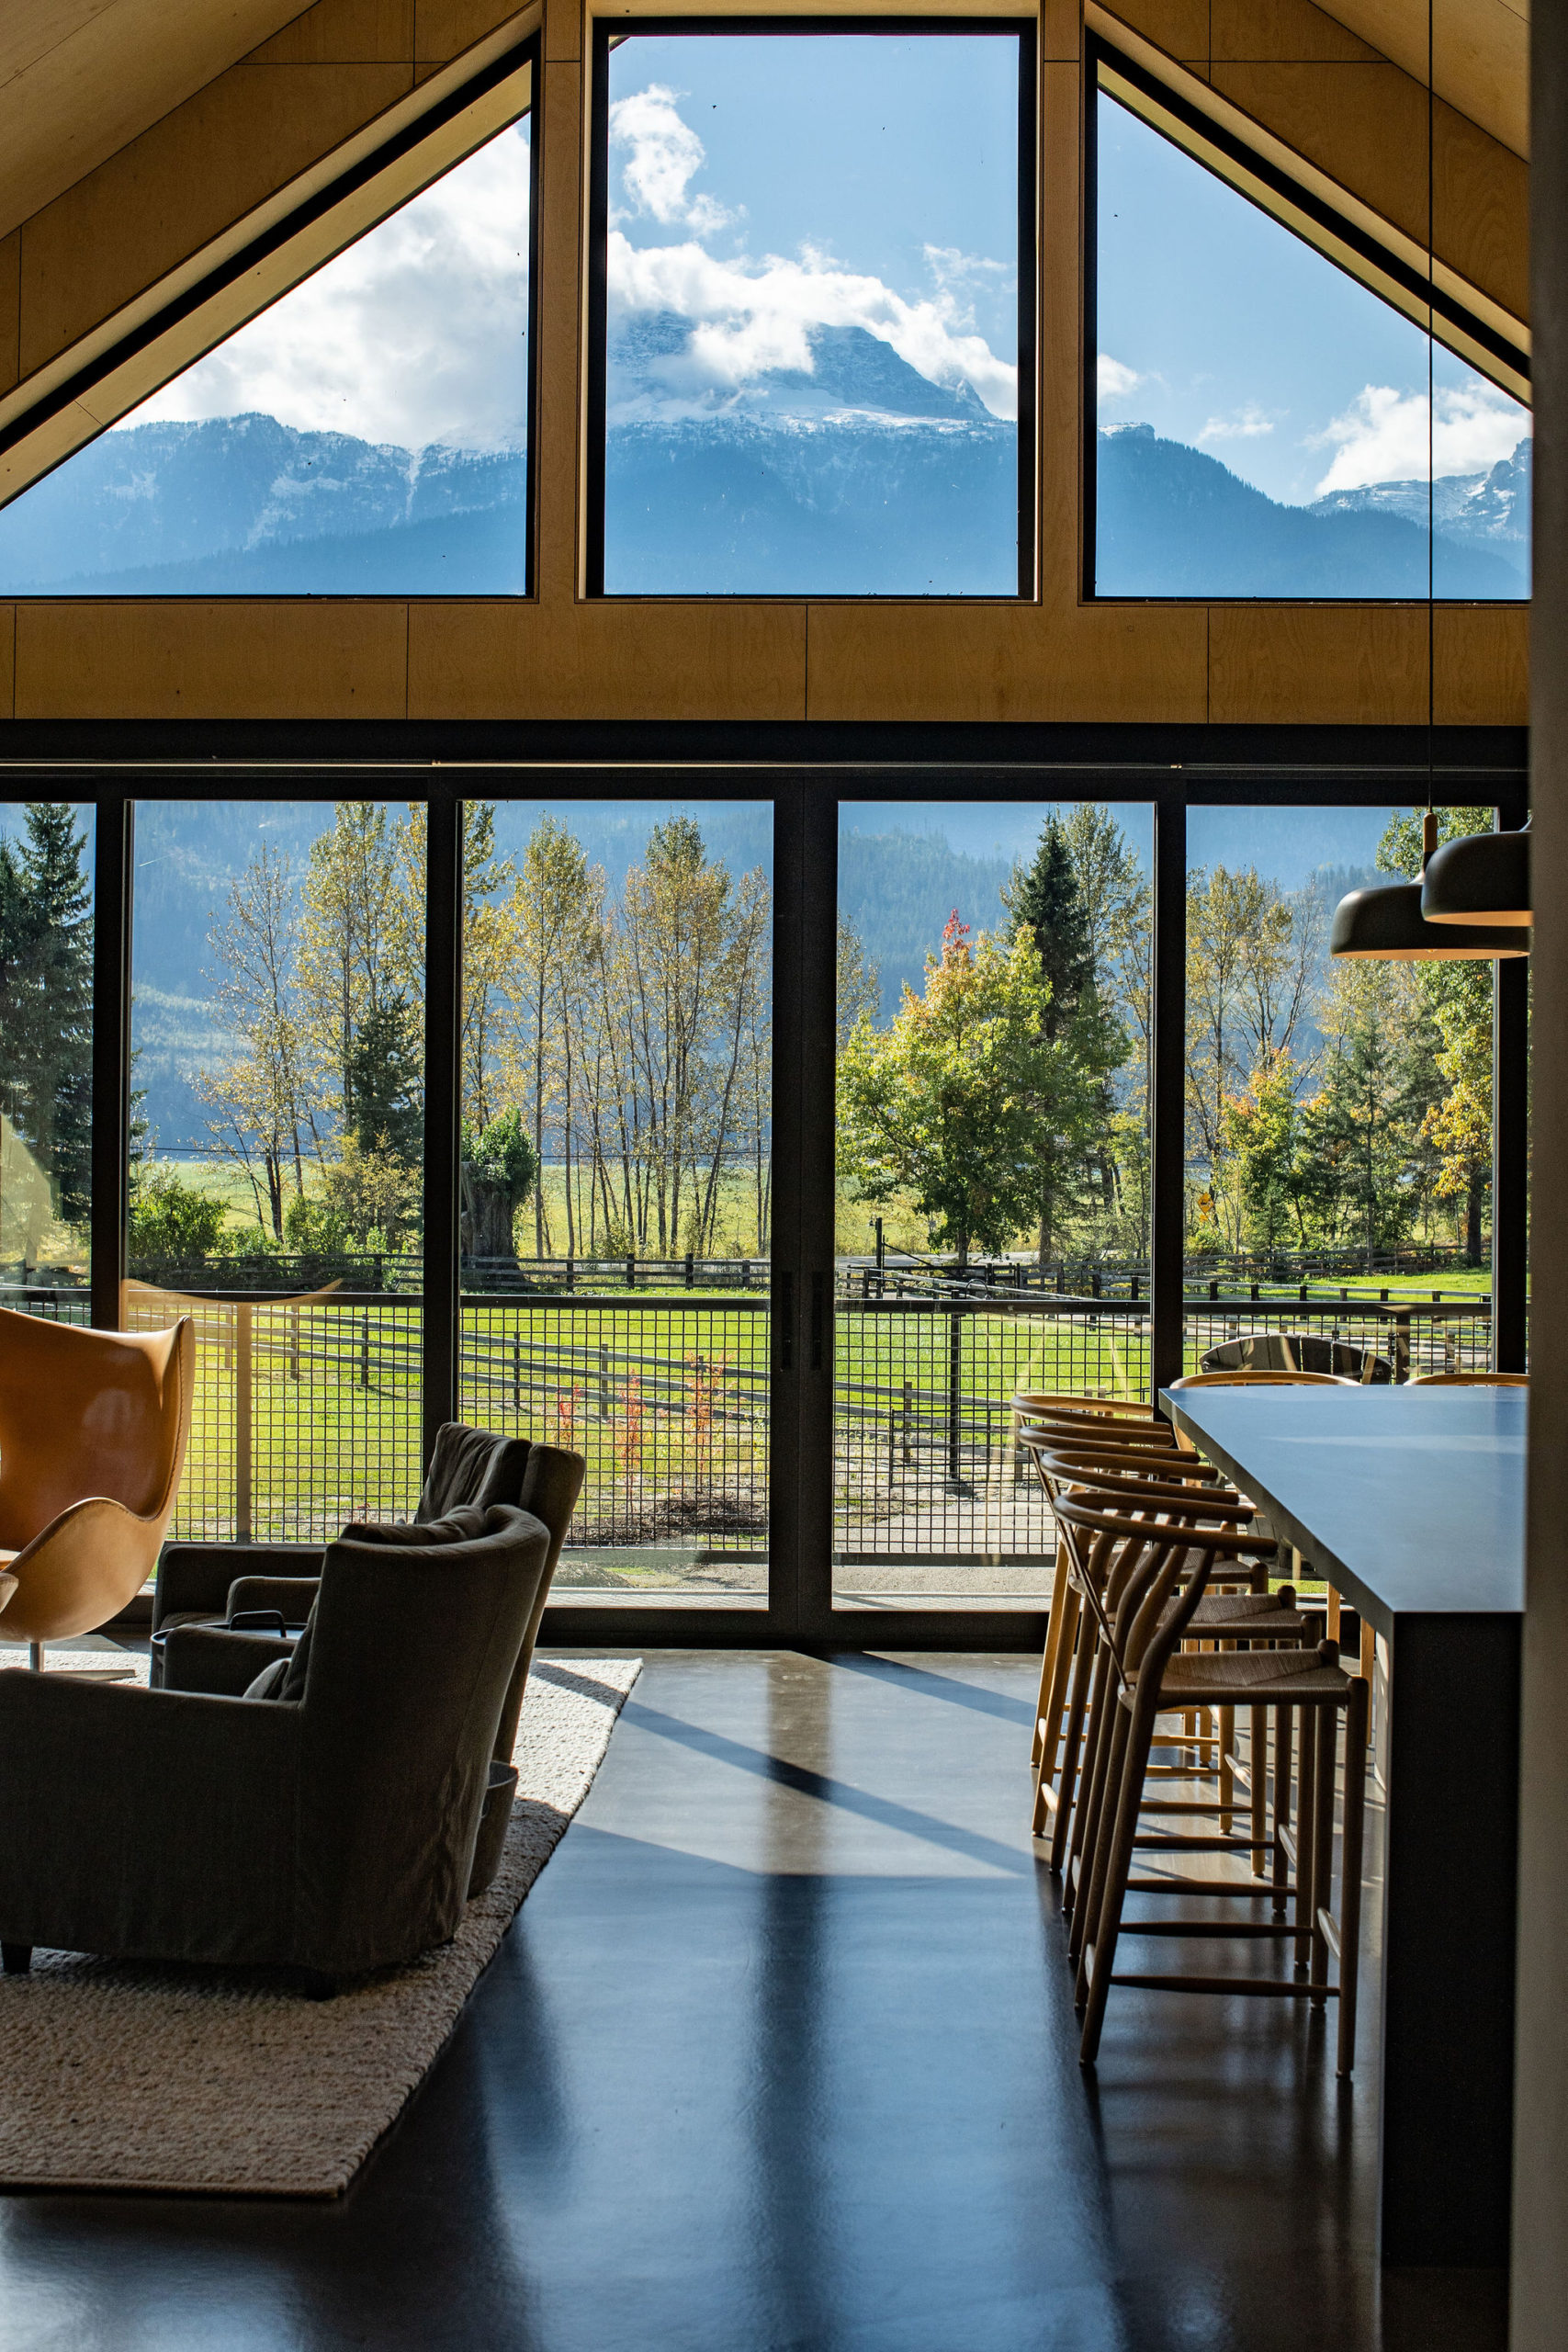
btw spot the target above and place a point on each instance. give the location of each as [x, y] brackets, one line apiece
[1429, 829]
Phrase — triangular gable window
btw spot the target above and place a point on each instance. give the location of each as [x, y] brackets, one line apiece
[365, 436]
[1263, 417]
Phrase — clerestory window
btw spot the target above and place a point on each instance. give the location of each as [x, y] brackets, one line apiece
[811, 326]
[1269, 427]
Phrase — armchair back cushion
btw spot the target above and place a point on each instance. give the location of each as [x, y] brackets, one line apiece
[335, 1832]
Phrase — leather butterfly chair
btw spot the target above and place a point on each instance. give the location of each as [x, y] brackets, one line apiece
[93, 1432]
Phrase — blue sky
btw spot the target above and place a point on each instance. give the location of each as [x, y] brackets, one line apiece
[762, 183]
[1221, 329]
[415, 334]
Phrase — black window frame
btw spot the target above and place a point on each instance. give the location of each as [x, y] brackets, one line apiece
[77, 387]
[610, 33]
[1103, 56]
[805, 773]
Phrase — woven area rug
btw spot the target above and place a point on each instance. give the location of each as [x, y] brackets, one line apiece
[119, 2075]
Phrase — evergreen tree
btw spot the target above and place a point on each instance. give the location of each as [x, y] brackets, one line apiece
[1045, 903]
[46, 1000]
[385, 1082]
[1044, 900]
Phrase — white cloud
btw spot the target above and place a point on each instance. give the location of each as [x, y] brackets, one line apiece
[415, 334]
[1381, 436]
[1245, 424]
[753, 316]
[1114, 379]
[665, 155]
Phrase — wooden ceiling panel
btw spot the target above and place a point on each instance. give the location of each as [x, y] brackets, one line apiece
[1481, 54]
[80, 78]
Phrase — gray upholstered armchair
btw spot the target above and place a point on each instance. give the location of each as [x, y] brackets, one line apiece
[202, 1588]
[332, 1830]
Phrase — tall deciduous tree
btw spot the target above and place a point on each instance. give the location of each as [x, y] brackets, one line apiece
[262, 1095]
[946, 1104]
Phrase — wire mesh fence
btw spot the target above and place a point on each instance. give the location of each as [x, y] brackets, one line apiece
[308, 1412]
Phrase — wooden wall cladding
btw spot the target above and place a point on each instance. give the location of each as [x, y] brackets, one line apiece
[636, 661]
[10, 309]
[236, 658]
[1318, 665]
[1305, 79]
[1482, 665]
[999, 662]
[560, 657]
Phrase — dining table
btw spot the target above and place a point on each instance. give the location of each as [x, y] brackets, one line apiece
[1410, 1502]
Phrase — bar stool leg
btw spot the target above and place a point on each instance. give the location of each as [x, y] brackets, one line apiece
[1050, 1714]
[1113, 1867]
[1071, 1749]
[1257, 1758]
[1323, 1848]
[1059, 1590]
[1306, 1789]
[1090, 1915]
[1284, 1728]
[1358, 1716]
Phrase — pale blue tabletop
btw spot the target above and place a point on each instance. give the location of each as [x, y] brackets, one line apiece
[1410, 1500]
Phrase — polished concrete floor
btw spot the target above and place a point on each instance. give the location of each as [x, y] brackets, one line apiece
[780, 2056]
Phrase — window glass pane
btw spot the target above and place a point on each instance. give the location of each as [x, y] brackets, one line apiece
[993, 1174]
[366, 436]
[1339, 1114]
[1263, 418]
[617, 1174]
[278, 1043]
[46, 1056]
[812, 334]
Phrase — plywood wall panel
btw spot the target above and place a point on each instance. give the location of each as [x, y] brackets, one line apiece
[1061, 31]
[996, 662]
[663, 661]
[1480, 208]
[1257, 32]
[144, 211]
[10, 309]
[1483, 665]
[444, 28]
[8, 661]
[1317, 664]
[1179, 26]
[229, 659]
[343, 32]
[1365, 126]
[560, 339]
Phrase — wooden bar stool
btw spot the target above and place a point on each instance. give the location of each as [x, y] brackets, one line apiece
[1252, 1614]
[1153, 1675]
[1062, 1624]
[1058, 1412]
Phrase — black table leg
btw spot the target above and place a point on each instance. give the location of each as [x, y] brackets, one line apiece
[1451, 1765]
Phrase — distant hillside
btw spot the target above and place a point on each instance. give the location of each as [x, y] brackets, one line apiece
[1172, 522]
[243, 504]
[855, 477]
[898, 888]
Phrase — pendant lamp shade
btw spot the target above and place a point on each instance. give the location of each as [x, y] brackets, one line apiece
[1486, 879]
[1388, 924]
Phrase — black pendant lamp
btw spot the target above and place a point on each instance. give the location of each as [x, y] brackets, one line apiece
[1389, 923]
[1484, 879]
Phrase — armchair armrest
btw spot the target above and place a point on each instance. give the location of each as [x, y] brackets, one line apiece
[291, 1595]
[145, 1822]
[211, 1659]
[195, 1578]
